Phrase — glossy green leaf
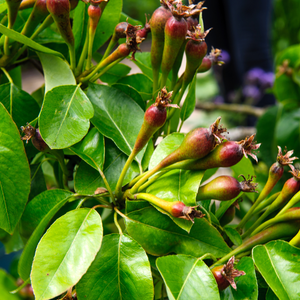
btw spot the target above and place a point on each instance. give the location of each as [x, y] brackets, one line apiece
[158, 234]
[132, 93]
[38, 183]
[12, 243]
[117, 116]
[64, 119]
[109, 19]
[225, 205]
[79, 28]
[7, 284]
[178, 185]
[189, 102]
[287, 130]
[125, 18]
[143, 61]
[245, 167]
[56, 71]
[39, 207]
[141, 82]
[27, 41]
[247, 288]
[21, 106]
[115, 73]
[65, 252]
[187, 277]
[279, 264]
[87, 179]
[233, 235]
[91, 149]
[14, 175]
[165, 147]
[270, 295]
[265, 135]
[56, 198]
[121, 270]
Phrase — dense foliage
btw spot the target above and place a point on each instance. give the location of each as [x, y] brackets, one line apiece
[100, 189]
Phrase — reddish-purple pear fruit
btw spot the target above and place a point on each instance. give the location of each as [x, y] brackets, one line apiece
[225, 274]
[60, 12]
[224, 155]
[73, 4]
[142, 33]
[120, 31]
[38, 14]
[154, 118]
[210, 60]
[34, 135]
[176, 209]
[229, 214]
[94, 12]
[157, 24]
[225, 188]
[175, 33]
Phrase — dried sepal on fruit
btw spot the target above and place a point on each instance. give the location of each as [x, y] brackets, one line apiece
[285, 159]
[29, 132]
[248, 146]
[225, 274]
[34, 135]
[132, 39]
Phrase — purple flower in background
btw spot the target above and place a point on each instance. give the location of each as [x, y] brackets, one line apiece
[251, 91]
[219, 100]
[267, 80]
[225, 57]
[254, 75]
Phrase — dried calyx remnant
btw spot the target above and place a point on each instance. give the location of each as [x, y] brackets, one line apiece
[163, 99]
[285, 159]
[249, 145]
[247, 185]
[132, 39]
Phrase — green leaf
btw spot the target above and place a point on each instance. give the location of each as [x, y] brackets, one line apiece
[39, 207]
[38, 183]
[233, 235]
[87, 179]
[189, 102]
[56, 71]
[57, 199]
[187, 277]
[121, 270]
[115, 73]
[225, 205]
[165, 147]
[270, 295]
[143, 61]
[117, 116]
[182, 185]
[64, 119]
[27, 41]
[7, 284]
[12, 243]
[246, 285]
[21, 106]
[141, 82]
[158, 234]
[287, 130]
[109, 19]
[132, 93]
[91, 149]
[65, 252]
[279, 264]
[266, 125]
[125, 18]
[14, 175]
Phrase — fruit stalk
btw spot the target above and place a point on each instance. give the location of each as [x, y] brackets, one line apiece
[277, 231]
[176, 209]
[290, 188]
[275, 173]
[154, 118]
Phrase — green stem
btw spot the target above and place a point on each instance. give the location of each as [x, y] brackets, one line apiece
[116, 223]
[201, 22]
[206, 213]
[295, 241]
[123, 173]
[110, 46]
[94, 78]
[82, 57]
[107, 186]
[208, 255]
[150, 181]
[72, 57]
[7, 75]
[265, 203]
[290, 204]
[136, 179]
